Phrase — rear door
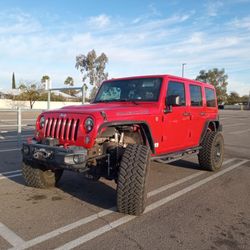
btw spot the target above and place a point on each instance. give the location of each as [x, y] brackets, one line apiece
[197, 112]
[176, 123]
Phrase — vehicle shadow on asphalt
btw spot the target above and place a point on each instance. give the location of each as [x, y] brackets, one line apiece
[101, 194]
[186, 164]
[96, 193]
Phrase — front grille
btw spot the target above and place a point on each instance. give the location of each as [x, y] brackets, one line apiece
[61, 128]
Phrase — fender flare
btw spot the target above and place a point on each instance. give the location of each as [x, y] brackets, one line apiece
[217, 125]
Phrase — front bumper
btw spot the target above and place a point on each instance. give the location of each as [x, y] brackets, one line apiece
[73, 158]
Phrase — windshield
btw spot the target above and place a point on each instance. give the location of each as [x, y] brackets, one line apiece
[142, 89]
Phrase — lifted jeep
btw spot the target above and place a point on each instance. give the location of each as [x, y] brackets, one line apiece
[130, 122]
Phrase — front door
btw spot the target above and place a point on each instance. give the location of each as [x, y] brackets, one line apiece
[177, 122]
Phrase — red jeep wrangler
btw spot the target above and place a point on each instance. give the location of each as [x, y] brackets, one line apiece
[130, 122]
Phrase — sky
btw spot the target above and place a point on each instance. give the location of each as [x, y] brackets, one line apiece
[139, 37]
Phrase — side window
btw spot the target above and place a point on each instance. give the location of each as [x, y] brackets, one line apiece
[177, 88]
[210, 97]
[195, 95]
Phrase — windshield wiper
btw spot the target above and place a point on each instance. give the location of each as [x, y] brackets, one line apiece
[118, 100]
[129, 100]
[112, 100]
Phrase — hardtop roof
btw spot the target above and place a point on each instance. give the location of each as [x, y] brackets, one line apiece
[162, 76]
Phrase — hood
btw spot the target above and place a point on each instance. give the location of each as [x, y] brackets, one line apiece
[111, 109]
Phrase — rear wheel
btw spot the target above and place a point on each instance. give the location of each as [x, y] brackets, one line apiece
[132, 180]
[212, 153]
[39, 178]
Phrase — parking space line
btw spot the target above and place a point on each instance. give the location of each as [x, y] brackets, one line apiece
[239, 132]
[65, 229]
[10, 236]
[9, 150]
[193, 186]
[90, 218]
[95, 233]
[10, 172]
[101, 214]
[14, 136]
[178, 182]
[9, 176]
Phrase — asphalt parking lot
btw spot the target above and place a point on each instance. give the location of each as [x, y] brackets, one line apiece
[188, 208]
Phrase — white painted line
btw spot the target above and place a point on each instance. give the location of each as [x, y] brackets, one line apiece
[192, 187]
[3, 132]
[9, 150]
[9, 176]
[87, 237]
[235, 124]
[103, 213]
[10, 236]
[239, 132]
[10, 172]
[178, 182]
[14, 120]
[96, 233]
[11, 140]
[65, 229]
[14, 136]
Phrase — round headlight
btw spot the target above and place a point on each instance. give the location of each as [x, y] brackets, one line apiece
[89, 124]
[42, 121]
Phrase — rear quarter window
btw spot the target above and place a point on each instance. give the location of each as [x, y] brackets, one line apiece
[210, 97]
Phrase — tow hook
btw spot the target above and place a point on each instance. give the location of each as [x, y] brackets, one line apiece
[42, 154]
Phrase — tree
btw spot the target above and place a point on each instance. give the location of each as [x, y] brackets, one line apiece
[218, 79]
[70, 82]
[30, 91]
[93, 68]
[45, 81]
[53, 97]
[244, 99]
[233, 98]
[13, 81]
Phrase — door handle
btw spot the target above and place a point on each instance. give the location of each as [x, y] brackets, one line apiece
[202, 113]
[186, 114]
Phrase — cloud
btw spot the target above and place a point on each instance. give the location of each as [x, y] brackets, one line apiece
[101, 21]
[17, 22]
[243, 23]
[196, 38]
[153, 10]
[213, 7]
[159, 44]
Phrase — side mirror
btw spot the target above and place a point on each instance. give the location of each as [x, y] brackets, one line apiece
[172, 100]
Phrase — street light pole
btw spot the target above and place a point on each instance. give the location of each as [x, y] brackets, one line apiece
[182, 69]
[248, 104]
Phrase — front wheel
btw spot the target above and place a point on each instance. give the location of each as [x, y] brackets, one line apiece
[132, 179]
[39, 178]
[212, 153]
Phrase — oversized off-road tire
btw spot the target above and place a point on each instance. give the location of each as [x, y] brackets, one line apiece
[132, 180]
[39, 178]
[212, 153]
